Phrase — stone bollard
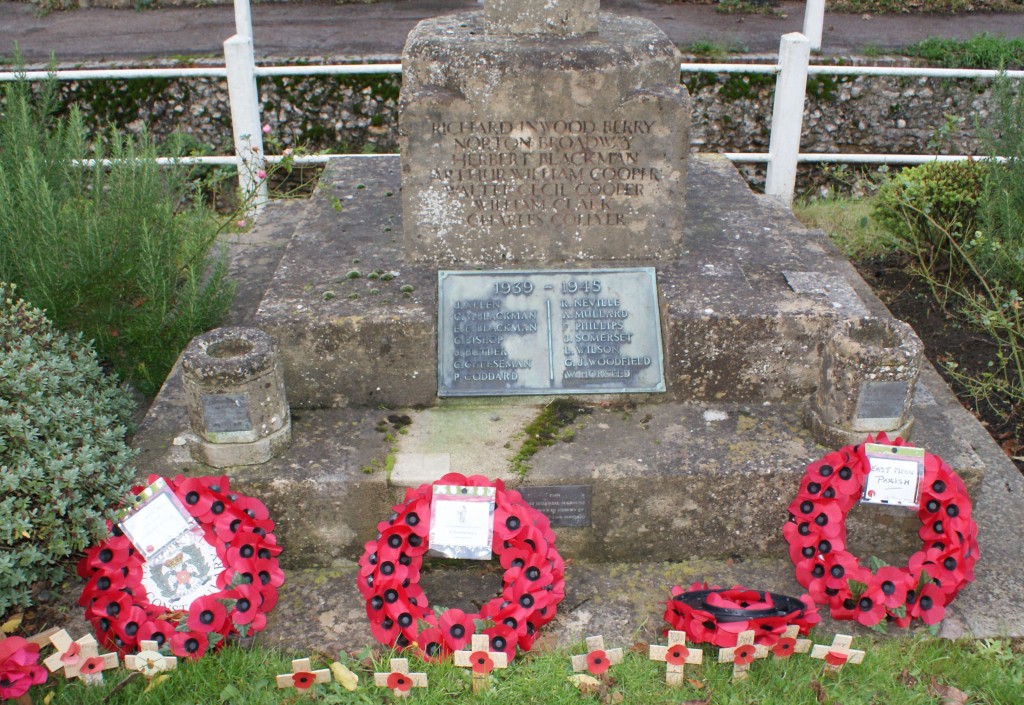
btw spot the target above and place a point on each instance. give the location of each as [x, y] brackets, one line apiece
[866, 382]
[234, 389]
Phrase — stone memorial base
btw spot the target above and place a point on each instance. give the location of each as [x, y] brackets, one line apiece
[705, 469]
[688, 485]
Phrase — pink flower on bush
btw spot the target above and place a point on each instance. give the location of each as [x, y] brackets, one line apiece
[261, 174]
[266, 129]
[19, 667]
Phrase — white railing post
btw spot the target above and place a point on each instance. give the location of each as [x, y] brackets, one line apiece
[814, 20]
[243, 18]
[787, 116]
[245, 120]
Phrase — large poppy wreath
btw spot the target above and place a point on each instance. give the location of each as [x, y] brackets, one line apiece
[533, 582]
[934, 575]
[715, 615]
[240, 531]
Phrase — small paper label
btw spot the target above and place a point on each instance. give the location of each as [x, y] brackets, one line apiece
[895, 475]
[157, 520]
[462, 522]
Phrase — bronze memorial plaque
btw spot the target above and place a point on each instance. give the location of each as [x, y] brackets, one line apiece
[585, 331]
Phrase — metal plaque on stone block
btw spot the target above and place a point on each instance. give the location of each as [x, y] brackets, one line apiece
[226, 413]
[587, 331]
[882, 404]
[563, 505]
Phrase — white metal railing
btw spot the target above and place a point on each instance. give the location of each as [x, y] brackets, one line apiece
[782, 157]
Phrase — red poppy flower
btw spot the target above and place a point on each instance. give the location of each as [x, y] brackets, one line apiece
[128, 624]
[303, 680]
[502, 638]
[870, 606]
[109, 606]
[703, 628]
[481, 662]
[189, 644]
[930, 605]
[893, 583]
[430, 644]
[19, 668]
[785, 647]
[385, 630]
[836, 658]
[597, 662]
[92, 665]
[677, 654]
[744, 655]
[456, 628]
[769, 629]
[197, 497]
[158, 630]
[207, 614]
[394, 541]
[399, 682]
[509, 522]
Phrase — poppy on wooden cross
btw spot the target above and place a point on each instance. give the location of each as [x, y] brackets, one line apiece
[482, 660]
[838, 654]
[788, 644]
[743, 654]
[303, 676]
[398, 679]
[676, 655]
[597, 660]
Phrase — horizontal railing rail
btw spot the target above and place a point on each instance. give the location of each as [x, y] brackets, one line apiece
[791, 71]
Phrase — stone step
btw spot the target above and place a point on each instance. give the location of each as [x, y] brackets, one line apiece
[253, 255]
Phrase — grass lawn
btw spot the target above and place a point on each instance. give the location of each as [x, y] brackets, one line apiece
[895, 671]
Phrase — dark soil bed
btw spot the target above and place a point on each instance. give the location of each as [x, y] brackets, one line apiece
[947, 339]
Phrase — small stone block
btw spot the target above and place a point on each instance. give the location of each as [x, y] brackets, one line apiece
[838, 654]
[415, 469]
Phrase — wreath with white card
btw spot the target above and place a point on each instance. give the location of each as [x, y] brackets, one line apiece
[869, 594]
[218, 579]
[533, 581]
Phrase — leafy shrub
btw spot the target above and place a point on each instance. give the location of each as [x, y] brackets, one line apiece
[118, 252]
[932, 208]
[63, 459]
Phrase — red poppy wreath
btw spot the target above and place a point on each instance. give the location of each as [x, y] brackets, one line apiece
[239, 530]
[715, 615]
[533, 582]
[816, 533]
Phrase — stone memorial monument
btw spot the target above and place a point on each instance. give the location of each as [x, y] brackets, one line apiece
[542, 131]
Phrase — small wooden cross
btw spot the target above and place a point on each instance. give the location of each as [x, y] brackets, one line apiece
[788, 644]
[80, 658]
[838, 654]
[675, 655]
[482, 660]
[149, 661]
[597, 659]
[303, 676]
[743, 654]
[399, 680]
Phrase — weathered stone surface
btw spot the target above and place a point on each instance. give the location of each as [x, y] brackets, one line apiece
[565, 18]
[542, 149]
[732, 326]
[234, 389]
[866, 381]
